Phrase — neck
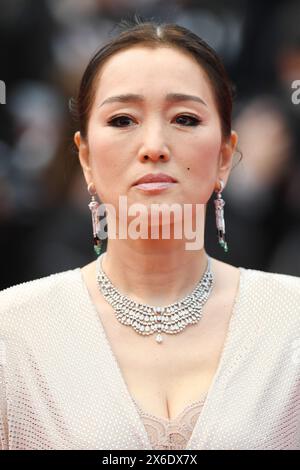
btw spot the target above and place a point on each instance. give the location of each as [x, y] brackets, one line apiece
[155, 272]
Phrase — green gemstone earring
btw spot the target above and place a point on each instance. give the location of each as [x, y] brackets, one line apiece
[220, 222]
[93, 206]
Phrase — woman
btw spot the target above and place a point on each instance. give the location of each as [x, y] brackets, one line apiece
[90, 360]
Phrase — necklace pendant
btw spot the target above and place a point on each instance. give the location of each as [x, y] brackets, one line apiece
[159, 338]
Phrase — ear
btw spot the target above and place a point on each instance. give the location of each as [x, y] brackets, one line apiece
[83, 155]
[226, 156]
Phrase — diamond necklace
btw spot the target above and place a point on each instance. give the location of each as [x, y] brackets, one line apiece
[148, 319]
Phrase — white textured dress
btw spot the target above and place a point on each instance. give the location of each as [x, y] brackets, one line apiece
[61, 386]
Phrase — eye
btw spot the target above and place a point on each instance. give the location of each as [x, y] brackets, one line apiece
[193, 120]
[119, 120]
[123, 121]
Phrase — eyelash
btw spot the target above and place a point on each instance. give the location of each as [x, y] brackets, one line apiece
[195, 120]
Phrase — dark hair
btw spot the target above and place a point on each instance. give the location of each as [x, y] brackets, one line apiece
[154, 34]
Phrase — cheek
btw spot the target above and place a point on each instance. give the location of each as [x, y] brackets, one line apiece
[200, 164]
[107, 162]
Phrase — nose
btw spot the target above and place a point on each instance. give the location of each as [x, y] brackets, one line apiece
[154, 147]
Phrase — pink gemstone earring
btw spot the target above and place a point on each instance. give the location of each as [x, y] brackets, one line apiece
[220, 222]
[93, 206]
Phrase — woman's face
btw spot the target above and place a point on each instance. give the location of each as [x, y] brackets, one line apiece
[186, 131]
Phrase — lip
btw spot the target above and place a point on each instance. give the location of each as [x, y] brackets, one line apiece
[155, 187]
[155, 178]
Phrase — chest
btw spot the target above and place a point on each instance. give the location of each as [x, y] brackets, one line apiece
[164, 378]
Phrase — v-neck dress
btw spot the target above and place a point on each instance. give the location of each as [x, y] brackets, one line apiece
[61, 386]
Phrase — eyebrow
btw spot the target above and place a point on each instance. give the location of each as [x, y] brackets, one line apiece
[170, 97]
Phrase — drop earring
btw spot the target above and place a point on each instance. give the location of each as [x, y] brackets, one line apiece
[220, 222]
[93, 206]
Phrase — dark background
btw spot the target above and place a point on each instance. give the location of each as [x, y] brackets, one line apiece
[45, 224]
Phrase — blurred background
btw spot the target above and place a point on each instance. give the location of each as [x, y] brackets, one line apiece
[45, 224]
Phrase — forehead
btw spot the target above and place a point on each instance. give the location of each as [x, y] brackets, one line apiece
[150, 71]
